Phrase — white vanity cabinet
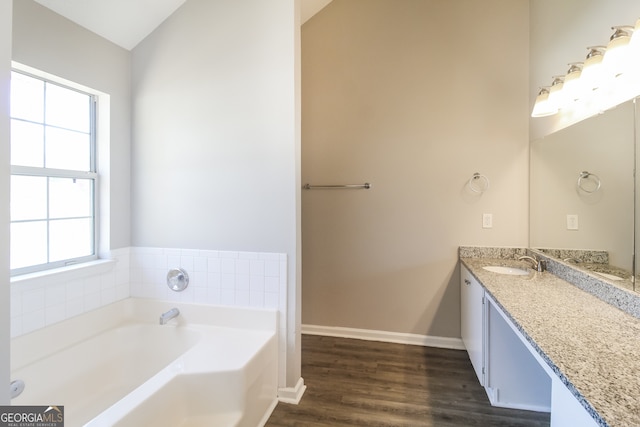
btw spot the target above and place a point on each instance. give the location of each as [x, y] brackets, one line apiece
[544, 391]
[472, 320]
[509, 373]
[515, 378]
[513, 374]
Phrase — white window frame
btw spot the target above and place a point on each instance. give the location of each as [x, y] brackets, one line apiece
[92, 175]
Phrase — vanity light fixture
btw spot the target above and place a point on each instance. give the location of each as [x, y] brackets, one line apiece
[615, 58]
[590, 78]
[542, 106]
[608, 76]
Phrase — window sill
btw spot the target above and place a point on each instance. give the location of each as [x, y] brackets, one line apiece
[67, 273]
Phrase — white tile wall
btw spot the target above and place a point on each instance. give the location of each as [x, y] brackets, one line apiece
[247, 279]
[41, 299]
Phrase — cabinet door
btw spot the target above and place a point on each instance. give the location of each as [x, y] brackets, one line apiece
[472, 320]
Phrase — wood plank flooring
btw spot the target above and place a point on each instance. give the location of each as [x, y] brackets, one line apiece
[364, 383]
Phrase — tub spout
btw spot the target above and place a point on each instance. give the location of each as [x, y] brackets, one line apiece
[168, 315]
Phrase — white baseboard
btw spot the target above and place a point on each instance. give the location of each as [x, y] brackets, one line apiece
[384, 336]
[268, 412]
[494, 393]
[292, 394]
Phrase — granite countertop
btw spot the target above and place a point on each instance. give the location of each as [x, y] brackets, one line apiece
[592, 346]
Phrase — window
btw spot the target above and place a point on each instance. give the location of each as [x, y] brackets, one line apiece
[53, 175]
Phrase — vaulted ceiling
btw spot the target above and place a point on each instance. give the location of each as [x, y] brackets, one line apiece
[127, 22]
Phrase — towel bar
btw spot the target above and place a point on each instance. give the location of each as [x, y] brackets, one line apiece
[366, 186]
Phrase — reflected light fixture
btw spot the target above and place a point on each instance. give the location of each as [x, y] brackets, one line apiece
[590, 78]
[615, 58]
[571, 89]
[543, 107]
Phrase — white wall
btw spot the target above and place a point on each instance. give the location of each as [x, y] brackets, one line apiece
[215, 130]
[560, 34]
[48, 42]
[5, 67]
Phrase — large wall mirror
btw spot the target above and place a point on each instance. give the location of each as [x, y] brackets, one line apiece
[582, 194]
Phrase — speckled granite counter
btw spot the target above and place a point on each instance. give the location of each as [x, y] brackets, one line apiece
[593, 347]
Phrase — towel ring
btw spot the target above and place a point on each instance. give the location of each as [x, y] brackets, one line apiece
[583, 177]
[478, 183]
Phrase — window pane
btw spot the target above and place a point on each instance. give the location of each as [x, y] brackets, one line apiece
[28, 198]
[69, 197]
[68, 109]
[28, 244]
[68, 149]
[70, 238]
[27, 98]
[27, 144]
[52, 214]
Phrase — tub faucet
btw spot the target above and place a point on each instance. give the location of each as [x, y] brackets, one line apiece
[538, 265]
[168, 315]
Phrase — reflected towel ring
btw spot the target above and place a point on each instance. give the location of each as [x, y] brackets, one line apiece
[583, 177]
[478, 183]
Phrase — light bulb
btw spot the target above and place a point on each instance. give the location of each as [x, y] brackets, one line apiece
[591, 77]
[543, 107]
[615, 58]
[571, 87]
[556, 92]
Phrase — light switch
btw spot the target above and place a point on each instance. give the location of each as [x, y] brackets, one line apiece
[487, 220]
[572, 222]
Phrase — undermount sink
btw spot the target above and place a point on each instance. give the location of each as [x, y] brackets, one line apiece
[511, 271]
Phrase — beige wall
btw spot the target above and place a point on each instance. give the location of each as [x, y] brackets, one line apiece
[413, 96]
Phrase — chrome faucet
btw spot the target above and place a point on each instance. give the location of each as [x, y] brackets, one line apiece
[538, 265]
[168, 315]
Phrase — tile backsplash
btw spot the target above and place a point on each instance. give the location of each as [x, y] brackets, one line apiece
[42, 299]
[246, 279]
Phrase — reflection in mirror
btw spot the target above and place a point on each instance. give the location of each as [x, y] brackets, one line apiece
[582, 195]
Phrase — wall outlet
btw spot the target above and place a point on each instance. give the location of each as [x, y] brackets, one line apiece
[487, 220]
[572, 222]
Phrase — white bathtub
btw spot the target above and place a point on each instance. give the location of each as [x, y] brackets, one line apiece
[117, 366]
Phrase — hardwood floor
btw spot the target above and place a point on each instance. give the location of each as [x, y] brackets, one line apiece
[363, 383]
